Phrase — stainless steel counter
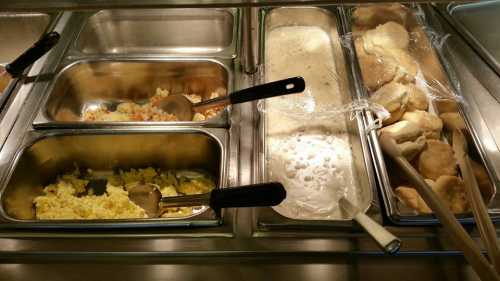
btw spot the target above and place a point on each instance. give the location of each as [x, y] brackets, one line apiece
[239, 248]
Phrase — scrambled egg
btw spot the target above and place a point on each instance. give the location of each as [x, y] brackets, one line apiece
[69, 198]
[131, 111]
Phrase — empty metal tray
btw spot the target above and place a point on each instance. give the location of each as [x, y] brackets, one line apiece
[469, 18]
[199, 32]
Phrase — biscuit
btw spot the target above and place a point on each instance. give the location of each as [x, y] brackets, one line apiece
[437, 159]
[430, 123]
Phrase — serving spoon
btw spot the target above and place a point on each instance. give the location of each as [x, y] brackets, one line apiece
[149, 197]
[184, 109]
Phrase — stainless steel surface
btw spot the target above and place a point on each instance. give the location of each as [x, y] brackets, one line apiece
[130, 80]
[272, 268]
[46, 155]
[72, 5]
[469, 19]
[360, 166]
[250, 39]
[19, 31]
[239, 247]
[396, 211]
[200, 32]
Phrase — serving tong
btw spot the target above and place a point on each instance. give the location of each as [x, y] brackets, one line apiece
[484, 269]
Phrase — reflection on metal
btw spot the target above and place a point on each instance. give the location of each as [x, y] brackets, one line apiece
[46, 155]
[75, 5]
[130, 80]
[333, 253]
[211, 32]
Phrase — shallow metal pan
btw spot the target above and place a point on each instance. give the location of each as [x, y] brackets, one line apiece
[395, 210]
[85, 83]
[361, 167]
[198, 32]
[469, 19]
[45, 154]
[19, 31]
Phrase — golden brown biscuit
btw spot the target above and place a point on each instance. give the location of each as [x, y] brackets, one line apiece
[386, 37]
[430, 123]
[393, 97]
[437, 159]
[373, 15]
[451, 190]
[403, 131]
[375, 73]
[407, 67]
[483, 180]
[417, 99]
[412, 199]
[444, 106]
[452, 121]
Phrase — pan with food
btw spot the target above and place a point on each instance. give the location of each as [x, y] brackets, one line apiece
[413, 87]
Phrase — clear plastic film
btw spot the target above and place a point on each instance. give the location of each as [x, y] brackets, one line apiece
[396, 55]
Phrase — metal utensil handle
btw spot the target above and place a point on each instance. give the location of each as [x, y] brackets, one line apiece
[386, 240]
[256, 195]
[185, 201]
[40, 48]
[272, 89]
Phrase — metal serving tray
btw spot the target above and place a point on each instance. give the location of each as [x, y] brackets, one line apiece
[357, 148]
[43, 156]
[86, 83]
[469, 20]
[19, 31]
[200, 32]
[397, 212]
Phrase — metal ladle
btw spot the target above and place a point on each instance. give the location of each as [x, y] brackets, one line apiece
[184, 109]
[149, 197]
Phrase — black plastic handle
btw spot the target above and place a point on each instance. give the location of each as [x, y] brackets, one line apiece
[273, 89]
[40, 48]
[256, 195]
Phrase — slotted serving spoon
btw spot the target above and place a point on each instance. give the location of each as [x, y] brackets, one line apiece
[184, 109]
[149, 197]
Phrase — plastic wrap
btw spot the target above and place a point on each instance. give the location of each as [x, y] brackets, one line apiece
[402, 68]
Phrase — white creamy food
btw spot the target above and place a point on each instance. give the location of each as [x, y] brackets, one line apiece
[311, 156]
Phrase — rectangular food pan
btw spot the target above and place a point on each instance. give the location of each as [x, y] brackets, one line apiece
[200, 32]
[45, 156]
[468, 18]
[321, 155]
[19, 32]
[433, 79]
[86, 85]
